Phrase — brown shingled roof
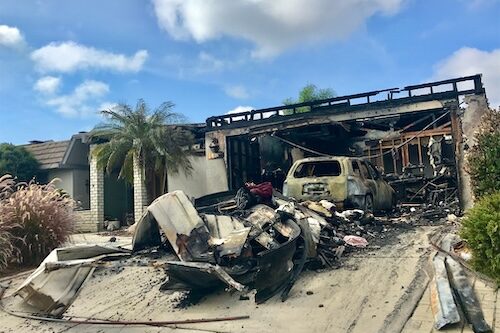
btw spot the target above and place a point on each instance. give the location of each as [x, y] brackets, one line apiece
[49, 154]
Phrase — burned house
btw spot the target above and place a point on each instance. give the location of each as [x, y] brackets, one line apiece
[412, 134]
[239, 243]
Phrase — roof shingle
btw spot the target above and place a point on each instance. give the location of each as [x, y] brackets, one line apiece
[49, 154]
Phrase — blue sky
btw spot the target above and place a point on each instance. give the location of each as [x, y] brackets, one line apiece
[62, 61]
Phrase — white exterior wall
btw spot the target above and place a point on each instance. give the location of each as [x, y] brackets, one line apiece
[75, 182]
[65, 179]
[207, 177]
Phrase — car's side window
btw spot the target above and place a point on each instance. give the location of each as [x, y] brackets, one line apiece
[302, 171]
[355, 168]
[364, 170]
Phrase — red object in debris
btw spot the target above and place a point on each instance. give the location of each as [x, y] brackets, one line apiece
[355, 241]
[263, 190]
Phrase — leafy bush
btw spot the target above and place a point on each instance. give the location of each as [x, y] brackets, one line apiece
[308, 93]
[483, 162]
[17, 161]
[36, 218]
[481, 230]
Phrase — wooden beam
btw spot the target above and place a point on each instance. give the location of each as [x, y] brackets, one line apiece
[419, 151]
[444, 125]
[393, 159]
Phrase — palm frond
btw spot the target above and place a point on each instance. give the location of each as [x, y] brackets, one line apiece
[127, 170]
[140, 132]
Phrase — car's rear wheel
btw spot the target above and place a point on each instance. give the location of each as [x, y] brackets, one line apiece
[369, 203]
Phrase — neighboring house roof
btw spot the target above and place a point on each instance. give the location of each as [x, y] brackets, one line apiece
[49, 154]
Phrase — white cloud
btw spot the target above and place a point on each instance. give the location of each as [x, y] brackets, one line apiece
[470, 61]
[82, 101]
[68, 57]
[207, 63]
[10, 37]
[239, 92]
[202, 64]
[240, 108]
[272, 25]
[47, 84]
[107, 106]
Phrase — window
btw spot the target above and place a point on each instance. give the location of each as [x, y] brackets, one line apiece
[318, 169]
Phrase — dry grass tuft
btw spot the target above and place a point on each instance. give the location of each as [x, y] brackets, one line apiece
[34, 219]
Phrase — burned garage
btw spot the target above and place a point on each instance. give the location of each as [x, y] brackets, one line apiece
[413, 136]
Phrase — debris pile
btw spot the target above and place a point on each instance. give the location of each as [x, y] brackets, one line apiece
[254, 239]
[438, 192]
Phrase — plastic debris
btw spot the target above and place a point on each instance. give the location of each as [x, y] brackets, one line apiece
[355, 241]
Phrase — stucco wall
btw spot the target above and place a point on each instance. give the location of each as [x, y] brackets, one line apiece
[65, 179]
[75, 182]
[208, 176]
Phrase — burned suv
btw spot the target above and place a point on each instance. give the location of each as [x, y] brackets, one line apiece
[347, 181]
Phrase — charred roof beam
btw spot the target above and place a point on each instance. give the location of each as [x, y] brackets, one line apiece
[346, 104]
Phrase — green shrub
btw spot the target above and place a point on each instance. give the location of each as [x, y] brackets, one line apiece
[34, 219]
[483, 159]
[481, 229]
[18, 162]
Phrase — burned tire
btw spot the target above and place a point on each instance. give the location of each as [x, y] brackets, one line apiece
[368, 203]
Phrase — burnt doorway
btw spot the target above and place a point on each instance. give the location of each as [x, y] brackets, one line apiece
[243, 161]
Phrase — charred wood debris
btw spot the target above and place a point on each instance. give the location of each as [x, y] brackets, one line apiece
[259, 239]
[427, 198]
[254, 238]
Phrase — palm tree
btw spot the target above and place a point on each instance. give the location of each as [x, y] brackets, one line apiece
[152, 138]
